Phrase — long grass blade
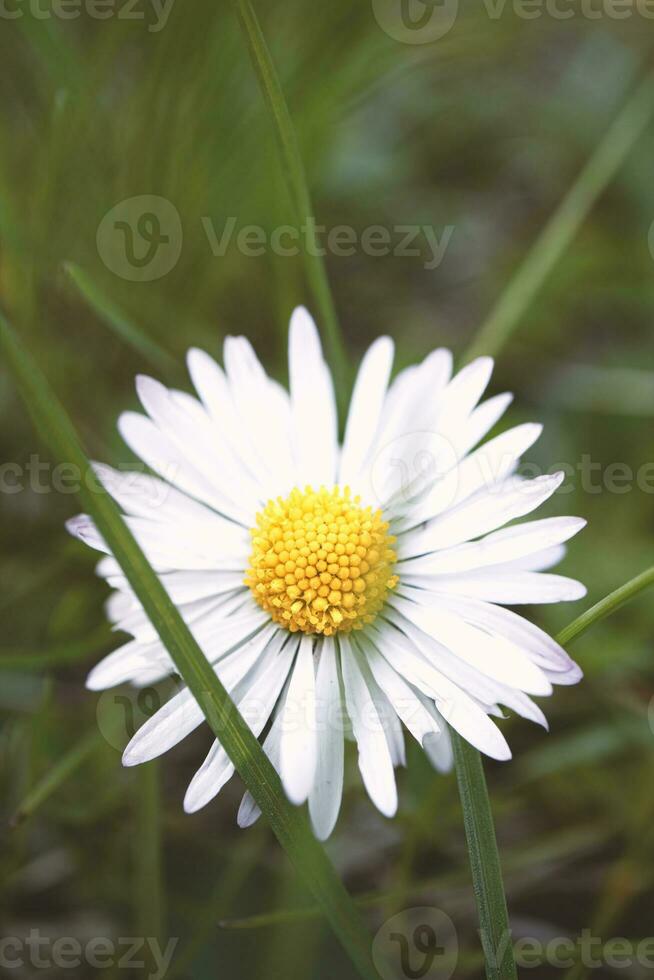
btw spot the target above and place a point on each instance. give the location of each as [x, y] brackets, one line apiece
[55, 776]
[58, 654]
[149, 890]
[288, 823]
[564, 224]
[295, 176]
[606, 606]
[117, 321]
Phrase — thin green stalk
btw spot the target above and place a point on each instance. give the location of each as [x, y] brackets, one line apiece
[117, 321]
[484, 861]
[242, 861]
[149, 891]
[295, 176]
[445, 888]
[55, 776]
[289, 823]
[564, 224]
[606, 606]
[58, 654]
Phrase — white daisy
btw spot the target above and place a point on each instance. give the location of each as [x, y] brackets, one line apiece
[352, 590]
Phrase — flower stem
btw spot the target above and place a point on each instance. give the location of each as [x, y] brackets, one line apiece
[295, 177]
[484, 861]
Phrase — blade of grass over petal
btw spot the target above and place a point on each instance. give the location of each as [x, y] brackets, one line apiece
[288, 823]
[564, 224]
[114, 318]
[484, 861]
[299, 190]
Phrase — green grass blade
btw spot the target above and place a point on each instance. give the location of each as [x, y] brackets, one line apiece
[114, 318]
[606, 606]
[288, 823]
[446, 888]
[57, 775]
[149, 891]
[484, 861]
[58, 654]
[295, 176]
[560, 230]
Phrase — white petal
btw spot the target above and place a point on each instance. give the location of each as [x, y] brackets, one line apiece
[183, 421]
[298, 727]
[483, 470]
[249, 810]
[189, 585]
[540, 647]
[365, 408]
[493, 656]
[313, 406]
[461, 396]
[408, 432]
[483, 512]
[459, 710]
[264, 411]
[255, 698]
[502, 546]
[325, 796]
[179, 546]
[482, 420]
[213, 388]
[510, 588]
[141, 495]
[402, 697]
[182, 714]
[375, 761]
[540, 561]
[439, 751]
[118, 667]
[163, 456]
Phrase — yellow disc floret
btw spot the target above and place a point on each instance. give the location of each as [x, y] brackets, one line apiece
[321, 562]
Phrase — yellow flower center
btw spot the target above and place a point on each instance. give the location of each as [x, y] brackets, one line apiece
[320, 561]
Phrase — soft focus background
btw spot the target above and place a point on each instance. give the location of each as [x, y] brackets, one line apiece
[482, 132]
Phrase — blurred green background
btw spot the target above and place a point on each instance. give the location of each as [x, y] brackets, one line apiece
[482, 131]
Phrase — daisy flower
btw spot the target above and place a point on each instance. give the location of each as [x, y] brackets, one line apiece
[355, 591]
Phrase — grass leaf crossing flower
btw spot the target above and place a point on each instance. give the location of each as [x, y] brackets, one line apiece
[353, 591]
